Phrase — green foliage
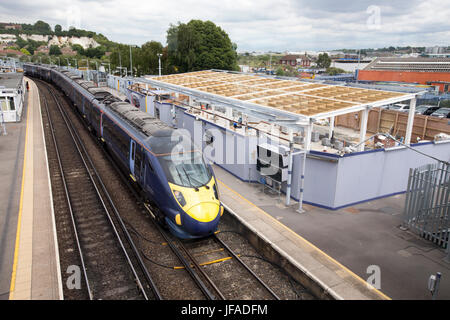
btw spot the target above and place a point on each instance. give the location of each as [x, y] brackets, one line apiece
[280, 71]
[145, 58]
[41, 27]
[25, 51]
[97, 52]
[58, 30]
[21, 42]
[200, 45]
[258, 61]
[334, 71]
[55, 50]
[197, 45]
[79, 49]
[323, 61]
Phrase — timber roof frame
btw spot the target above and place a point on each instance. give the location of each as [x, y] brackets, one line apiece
[292, 102]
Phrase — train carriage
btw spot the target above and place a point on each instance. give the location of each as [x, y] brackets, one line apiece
[166, 165]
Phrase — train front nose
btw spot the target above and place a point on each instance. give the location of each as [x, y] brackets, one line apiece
[203, 218]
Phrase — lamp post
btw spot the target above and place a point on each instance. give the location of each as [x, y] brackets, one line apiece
[120, 64]
[131, 60]
[159, 62]
[108, 64]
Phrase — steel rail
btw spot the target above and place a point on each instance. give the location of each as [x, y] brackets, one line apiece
[117, 215]
[246, 267]
[66, 193]
[179, 255]
[200, 269]
[108, 215]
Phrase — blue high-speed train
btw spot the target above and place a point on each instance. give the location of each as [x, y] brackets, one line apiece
[165, 164]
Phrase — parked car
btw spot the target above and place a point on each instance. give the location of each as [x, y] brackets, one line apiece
[442, 113]
[426, 109]
[398, 107]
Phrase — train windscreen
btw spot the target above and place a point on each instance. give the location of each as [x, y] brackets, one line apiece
[181, 161]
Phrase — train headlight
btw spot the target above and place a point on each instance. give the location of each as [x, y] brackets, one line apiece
[179, 197]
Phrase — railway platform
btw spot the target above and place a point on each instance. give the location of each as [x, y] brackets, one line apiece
[342, 250]
[29, 267]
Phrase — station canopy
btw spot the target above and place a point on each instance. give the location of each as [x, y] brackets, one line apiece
[289, 98]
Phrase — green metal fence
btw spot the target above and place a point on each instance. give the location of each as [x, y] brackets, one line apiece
[427, 204]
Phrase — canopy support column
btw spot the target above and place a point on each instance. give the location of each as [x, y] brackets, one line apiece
[410, 124]
[363, 129]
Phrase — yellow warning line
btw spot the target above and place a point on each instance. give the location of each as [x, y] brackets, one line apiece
[19, 219]
[351, 273]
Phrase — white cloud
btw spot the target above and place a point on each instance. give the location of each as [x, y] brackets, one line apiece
[252, 24]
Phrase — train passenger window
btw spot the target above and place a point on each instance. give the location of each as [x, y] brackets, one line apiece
[133, 150]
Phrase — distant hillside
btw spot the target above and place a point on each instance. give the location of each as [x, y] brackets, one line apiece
[43, 28]
[40, 37]
[50, 40]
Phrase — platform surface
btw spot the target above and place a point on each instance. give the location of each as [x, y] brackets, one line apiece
[340, 247]
[30, 268]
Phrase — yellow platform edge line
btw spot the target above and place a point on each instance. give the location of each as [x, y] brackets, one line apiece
[19, 219]
[351, 273]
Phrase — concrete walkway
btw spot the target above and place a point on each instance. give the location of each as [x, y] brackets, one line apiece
[360, 238]
[35, 269]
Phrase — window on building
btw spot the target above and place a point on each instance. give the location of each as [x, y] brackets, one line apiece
[3, 104]
[12, 106]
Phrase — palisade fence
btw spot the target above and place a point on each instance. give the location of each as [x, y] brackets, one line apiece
[427, 204]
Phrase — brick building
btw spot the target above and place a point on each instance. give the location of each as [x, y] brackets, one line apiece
[428, 71]
[294, 60]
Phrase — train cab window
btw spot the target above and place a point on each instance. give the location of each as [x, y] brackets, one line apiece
[187, 169]
[133, 150]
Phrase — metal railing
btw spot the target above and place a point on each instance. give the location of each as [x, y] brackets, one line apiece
[427, 204]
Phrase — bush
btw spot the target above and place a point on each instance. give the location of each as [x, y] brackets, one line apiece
[55, 50]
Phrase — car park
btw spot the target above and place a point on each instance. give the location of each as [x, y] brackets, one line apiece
[426, 109]
[442, 113]
[398, 107]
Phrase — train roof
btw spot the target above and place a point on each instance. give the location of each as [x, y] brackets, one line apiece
[141, 120]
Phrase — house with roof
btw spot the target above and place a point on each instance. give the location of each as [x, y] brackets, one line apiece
[295, 60]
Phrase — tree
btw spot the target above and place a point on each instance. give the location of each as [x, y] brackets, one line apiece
[200, 45]
[78, 48]
[323, 61]
[55, 50]
[58, 30]
[21, 42]
[25, 51]
[42, 27]
[335, 71]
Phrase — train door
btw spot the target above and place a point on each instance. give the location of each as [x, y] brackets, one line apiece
[101, 124]
[135, 160]
[132, 157]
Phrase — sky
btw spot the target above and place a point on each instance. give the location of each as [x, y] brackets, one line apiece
[254, 25]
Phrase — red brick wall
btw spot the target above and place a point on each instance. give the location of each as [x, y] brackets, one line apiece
[403, 76]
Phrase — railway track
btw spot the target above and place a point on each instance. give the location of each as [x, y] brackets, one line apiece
[202, 253]
[111, 265]
[210, 283]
